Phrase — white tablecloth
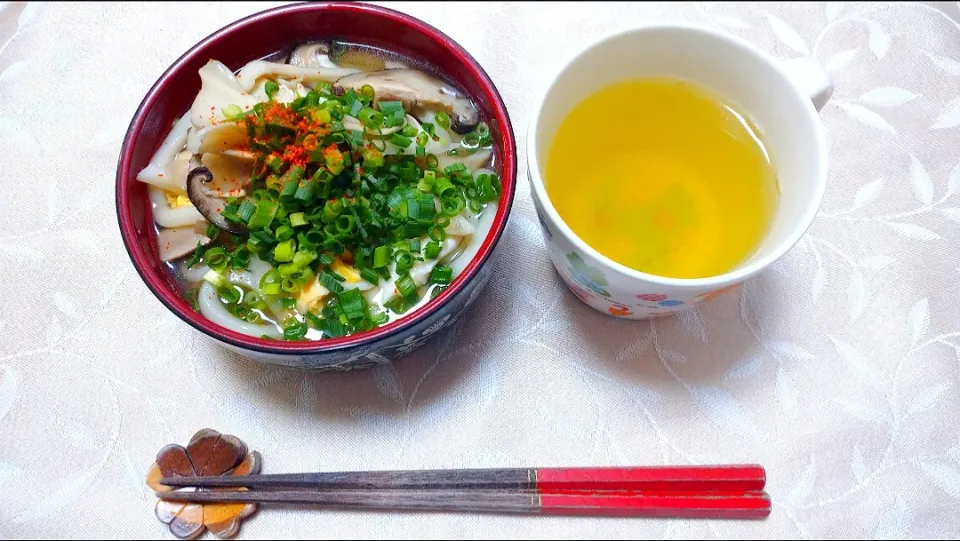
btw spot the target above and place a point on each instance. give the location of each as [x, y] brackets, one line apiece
[838, 370]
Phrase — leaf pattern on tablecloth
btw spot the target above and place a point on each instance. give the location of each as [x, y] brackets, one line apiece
[837, 371]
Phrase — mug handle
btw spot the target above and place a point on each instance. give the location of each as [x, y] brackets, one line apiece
[811, 78]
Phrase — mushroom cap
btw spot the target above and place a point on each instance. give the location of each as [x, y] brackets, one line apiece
[206, 201]
[417, 91]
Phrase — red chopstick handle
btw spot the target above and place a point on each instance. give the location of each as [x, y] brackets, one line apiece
[747, 506]
[659, 479]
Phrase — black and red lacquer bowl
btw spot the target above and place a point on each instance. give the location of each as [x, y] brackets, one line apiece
[266, 33]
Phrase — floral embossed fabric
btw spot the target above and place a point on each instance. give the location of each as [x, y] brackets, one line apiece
[837, 370]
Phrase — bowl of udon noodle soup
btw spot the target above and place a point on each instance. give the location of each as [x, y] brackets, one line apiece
[319, 185]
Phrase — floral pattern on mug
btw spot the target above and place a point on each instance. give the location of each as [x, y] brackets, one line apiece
[586, 276]
[582, 294]
[716, 292]
[619, 310]
[670, 302]
[652, 297]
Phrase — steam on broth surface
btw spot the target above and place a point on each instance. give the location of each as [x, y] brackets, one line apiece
[323, 194]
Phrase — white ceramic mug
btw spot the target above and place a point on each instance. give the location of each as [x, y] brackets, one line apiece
[782, 100]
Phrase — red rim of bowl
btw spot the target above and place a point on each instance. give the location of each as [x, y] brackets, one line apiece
[179, 306]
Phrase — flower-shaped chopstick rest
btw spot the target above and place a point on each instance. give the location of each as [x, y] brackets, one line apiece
[208, 453]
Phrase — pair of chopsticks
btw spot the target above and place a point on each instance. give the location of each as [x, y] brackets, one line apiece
[714, 492]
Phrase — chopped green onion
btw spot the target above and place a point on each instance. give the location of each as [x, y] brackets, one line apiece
[370, 119]
[294, 329]
[400, 140]
[381, 256]
[406, 287]
[334, 246]
[297, 219]
[351, 301]
[240, 258]
[289, 189]
[263, 216]
[212, 231]
[369, 275]
[444, 188]
[271, 88]
[367, 92]
[215, 278]
[328, 281]
[312, 99]
[345, 223]
[285, 232]
[305, 192]
[232, 112]
[302, 259]
[216, 258]
[451, 206]
[372, 158]
[404, 263]
[390, 107]
[334, 328]
[230, 294]
[275, 163]
[379, 318]
[437, 233]
[295, 173]
[455, 168]
[385, 213]
[246, 210]
[197, 254]
[331, 209]
[315, 320]
[287, 270]
[289, 285]
[285, 250]
[252, 298]
[357, 104]
[270, 282]
[432, 250]
[442, 275]
[306, 274]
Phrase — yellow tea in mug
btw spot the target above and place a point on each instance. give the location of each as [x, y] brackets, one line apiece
[663, 176]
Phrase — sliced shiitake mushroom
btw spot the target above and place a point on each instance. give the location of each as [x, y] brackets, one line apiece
[417, 91]
[333, 54]
[207, 201]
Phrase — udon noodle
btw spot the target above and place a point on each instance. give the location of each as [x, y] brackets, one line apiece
[321, 195]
